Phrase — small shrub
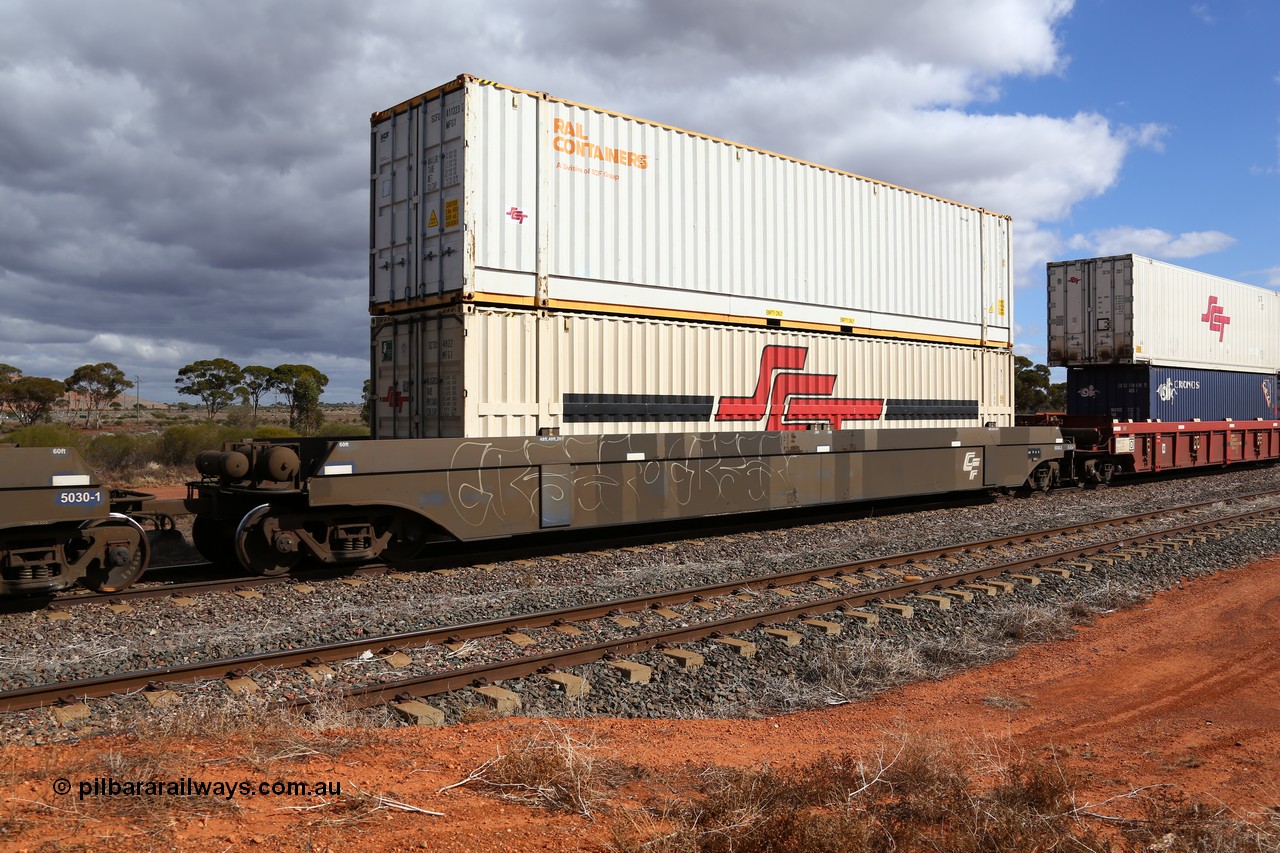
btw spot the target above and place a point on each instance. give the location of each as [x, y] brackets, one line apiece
[1173, 824]
[338, 429]
[559, 773]
[47, 435]
[239, 416]
[122, 451]
[1032, 623]
[477, 714]
[925, 797]
[179, 445]
[274, 431]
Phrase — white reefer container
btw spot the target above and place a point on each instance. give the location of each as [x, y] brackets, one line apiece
[469, 371]
[1128, 309]
[488, 194]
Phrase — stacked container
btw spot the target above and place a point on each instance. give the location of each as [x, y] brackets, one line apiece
[1146, 340]
[1148, 393]
[538, 265]
[474, 371]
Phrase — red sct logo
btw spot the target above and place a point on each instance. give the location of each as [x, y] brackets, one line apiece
[1215, 317]
[395, 399]
[791, 399]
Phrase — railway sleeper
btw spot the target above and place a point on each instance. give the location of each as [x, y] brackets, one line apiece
[418, 713]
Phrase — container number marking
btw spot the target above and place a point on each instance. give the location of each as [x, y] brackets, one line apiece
[72, 497]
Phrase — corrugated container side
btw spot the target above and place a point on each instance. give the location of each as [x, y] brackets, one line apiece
[1133, 310]
[478, 372]
[538, 202]
[1170, 394]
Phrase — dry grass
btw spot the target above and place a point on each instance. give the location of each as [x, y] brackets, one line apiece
[1031, 623]
[1006, 703]
[478, 713]
[555, 771]
[1172, 824]
[262, 732]
[925, 797]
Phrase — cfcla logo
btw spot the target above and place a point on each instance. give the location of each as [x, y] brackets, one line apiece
[1215, 317]
[517, 214]
[971, 464]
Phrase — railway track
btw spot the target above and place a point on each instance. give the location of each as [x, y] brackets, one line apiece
[857, 592]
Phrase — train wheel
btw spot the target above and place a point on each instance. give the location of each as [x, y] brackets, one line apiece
[262, 547]
[125, 556]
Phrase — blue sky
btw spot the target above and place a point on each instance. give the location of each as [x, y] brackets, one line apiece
[183, 180]
[1204, 190]
[1208, 75]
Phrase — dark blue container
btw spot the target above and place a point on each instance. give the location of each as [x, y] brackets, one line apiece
[1142, 392]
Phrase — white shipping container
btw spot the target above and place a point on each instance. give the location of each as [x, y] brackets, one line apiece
[1128, 309]
[469, 371]
[488, 194]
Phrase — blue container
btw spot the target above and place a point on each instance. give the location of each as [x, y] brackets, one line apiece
[1142, 392]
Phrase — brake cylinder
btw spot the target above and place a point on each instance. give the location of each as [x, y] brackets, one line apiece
[223, 463]
[279, 464]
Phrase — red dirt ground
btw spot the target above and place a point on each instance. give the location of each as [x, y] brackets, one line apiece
[165, 493]
[1182, 690]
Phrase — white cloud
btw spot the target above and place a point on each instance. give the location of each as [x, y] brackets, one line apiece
[1152, 242]
[1146, 136]
[1032, 167]
[1035, 248]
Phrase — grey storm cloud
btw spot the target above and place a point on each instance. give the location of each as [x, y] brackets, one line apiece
[187, 173]
[185, 180]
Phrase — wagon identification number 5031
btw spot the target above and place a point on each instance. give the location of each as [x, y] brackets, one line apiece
[79, 498]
